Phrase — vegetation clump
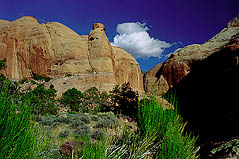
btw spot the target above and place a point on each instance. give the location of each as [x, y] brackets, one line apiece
[64, 133]
[82, 130]
[160, 132]
[125, 100]
[41, 78]
[42, 100]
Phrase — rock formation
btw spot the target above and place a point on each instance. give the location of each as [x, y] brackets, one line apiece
[180, 63]
[205, 78]
[55, 51]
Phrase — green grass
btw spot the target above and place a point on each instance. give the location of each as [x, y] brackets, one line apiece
[168, 125]
[160, 133]
[93, 150]
[17, 136]
[20, 138]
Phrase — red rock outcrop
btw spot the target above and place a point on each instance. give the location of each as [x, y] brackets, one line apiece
[180, 63]
[55, 51]
[204, 79]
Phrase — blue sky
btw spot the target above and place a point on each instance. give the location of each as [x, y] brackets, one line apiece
[163, 25]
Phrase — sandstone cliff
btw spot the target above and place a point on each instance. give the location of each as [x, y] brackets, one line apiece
[205, 79]
[54, 50]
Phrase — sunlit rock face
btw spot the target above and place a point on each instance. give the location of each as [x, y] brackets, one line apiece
[54, 50]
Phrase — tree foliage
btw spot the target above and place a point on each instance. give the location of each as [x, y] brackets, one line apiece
[3, 64]
[43, 101]
[72, 98]
[125, 100]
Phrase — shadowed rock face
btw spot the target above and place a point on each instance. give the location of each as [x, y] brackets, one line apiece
[208, 97]
[205, 78]
[54, 50]
[179, 64]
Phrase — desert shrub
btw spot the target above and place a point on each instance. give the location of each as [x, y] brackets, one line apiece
[72, 99]
[125, 100]
[106, 121]
[95, 101]
[39, 77]
[64, 133]
[131, 145]
[22, 81]
[103, 124]
[46, 148]
[90, 101]
[79, 117]
[97, 134]
[2, 77]
[3, 63]
[75, 123]
[42, 100]
[94, 118]
[84, 118]
[33, 82]
[47, 121]
[122, 116]
[109, 116]
[109, 119]
[55, 124]
[62, 119]
[82, 130]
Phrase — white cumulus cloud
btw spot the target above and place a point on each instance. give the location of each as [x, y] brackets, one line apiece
[134, 38]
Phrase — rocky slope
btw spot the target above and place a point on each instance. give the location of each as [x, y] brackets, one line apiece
[205, 78]
[55, 51]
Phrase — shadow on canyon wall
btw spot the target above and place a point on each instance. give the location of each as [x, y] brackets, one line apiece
[208, 97]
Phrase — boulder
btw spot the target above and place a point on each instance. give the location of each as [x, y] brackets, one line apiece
[53, 50]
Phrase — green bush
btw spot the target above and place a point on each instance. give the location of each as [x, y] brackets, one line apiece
[46, 149]
[22, 81]
[39, 77]
[79, 117]
[2, 78]
[3, 64]
[72, 98]
[47, 121]
[42, 100]
[75, 123]
[97, 134]
[105, 123]
[108, 120]
[82, 130]
[91, 100]
[94, 118]
[64, 133]
[125, 100]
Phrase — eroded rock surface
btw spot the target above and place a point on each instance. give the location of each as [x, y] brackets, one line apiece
[55, 51]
